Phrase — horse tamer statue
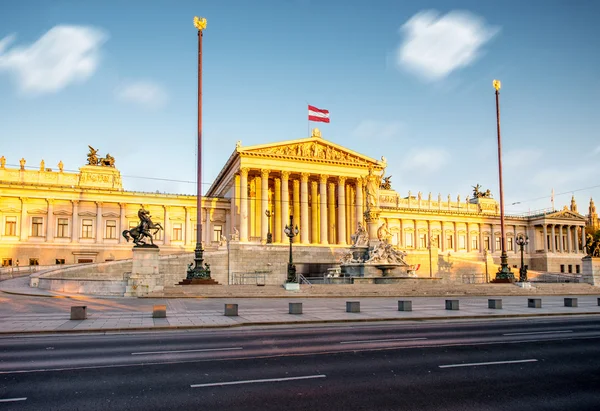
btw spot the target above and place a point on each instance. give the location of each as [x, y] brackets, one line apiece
[141, 233]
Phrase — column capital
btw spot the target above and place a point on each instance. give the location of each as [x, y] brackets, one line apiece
[277, 180]
[341, 180]
[304, 177]
[122, 205]
[244, 171]
[75, 202]
[331, 185]
[359, 181]
[24, 199]
[264, 173]
[285, 174]
[323, 178]
[99, 203]
[296, 183]
[50, 201]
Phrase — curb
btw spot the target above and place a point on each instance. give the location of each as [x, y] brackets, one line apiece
[357, 320]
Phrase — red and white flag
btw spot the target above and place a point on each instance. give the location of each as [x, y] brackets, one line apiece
[317, 114]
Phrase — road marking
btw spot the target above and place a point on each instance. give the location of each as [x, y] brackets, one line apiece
[182, 351]
[214, 384]
[13, 399]
[475, 364]
[540, 332]
[388, 340]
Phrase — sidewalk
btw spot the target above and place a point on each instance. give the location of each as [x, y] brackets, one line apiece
[22, 310]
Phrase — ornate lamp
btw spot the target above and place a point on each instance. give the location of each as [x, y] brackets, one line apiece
[522, 242]
[269, 214]
[291, 232]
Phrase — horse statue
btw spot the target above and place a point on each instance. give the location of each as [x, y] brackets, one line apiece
[142, 232]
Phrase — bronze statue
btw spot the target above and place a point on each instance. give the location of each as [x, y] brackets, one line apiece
[387, 183]
[93, 160]
[108, 161]
[142, 232]
[480, 194]
[92, 156]
[593, 245]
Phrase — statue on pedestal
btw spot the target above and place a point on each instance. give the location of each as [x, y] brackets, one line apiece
[142, 232]
[360, 238]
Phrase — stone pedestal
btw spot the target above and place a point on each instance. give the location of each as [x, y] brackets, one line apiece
[591, 270]
[372, 220]
[145, 277]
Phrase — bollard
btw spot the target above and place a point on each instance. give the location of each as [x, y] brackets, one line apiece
[534, 303]
[599, 301]
[352, 306]
[495, 303]
[231, 310]
[451, 304]
[295, 308]
[79, 312]
[159, 311]
[571, 302]
[404, 305]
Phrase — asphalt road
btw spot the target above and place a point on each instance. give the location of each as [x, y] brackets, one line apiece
[539, 364]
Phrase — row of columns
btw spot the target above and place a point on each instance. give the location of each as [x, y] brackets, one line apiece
[554, 243]
[322, 222]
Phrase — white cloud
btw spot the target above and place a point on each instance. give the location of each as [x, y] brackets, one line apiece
[425, 160]
[379, 130]
[434, 46]
[63, 55]
[145, 93]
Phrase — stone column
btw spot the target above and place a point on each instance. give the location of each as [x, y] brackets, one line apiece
[553, 240]
[341, 211]
[75, 222]
[235, 209]
[284, 216]
[468, 238]
[314, 209]
[416, 241]
[24, 232]
[350, 212]
[123, 222]
[99, 230]
[167, 227]
[569, 240]
[493, 239]
[187, 230]
[264, 203]
[481, 244]
[331, 213]
[323, 191]
[442, 244]
[560, 239]
[297, 218]
[244, 204]
[545, 227]
[50, 221]
[304, 208]
[402, 240]
[455, 242]
[277, 227]
[531, 247]
[359, 203]
[583, 248]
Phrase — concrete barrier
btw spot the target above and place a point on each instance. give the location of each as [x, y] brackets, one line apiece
[295, 308]
[571, 302]
[159, 311]
[404, 305]
[79, 312]
[534, 302]
[495, 303]
[352, 306]
[231, 310]
[452, 305]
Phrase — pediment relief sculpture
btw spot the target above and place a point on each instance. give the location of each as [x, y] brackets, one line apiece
[311, 149]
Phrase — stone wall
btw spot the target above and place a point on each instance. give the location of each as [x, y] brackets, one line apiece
[591, 270]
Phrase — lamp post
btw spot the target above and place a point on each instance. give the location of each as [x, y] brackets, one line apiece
[269, 214]
[198, 271]
[291, 232]
[522, 242]
[504, 274]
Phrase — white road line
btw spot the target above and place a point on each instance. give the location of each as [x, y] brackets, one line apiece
[13, 399]
[540, 332]
[475, 364]
[183, 351]
[214, 384]
[388, 340]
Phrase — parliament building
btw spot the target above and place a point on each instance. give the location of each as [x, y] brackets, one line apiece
[49, 216]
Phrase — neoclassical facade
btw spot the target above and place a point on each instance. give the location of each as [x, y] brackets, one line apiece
[49, 216]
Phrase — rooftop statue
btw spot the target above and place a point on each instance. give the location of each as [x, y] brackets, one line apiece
[480, 194]
[142, 232]
[387, 183]
[92, 156]
[93, 160]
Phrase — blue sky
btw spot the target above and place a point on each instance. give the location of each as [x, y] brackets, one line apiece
[409, 80]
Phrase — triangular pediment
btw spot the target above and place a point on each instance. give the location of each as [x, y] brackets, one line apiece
[308, 149]
[62, 212]
[111, 214]
[87, 214]
[566, 214]
[36, 211]
[10, 210]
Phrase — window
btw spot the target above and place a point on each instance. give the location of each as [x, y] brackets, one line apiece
[449, 241]
[462, 241]
[498, 244]
[562, 268]
[509, 244]
[438, 243]
[63, 228]
[409, 240]
[111, 229]
[570, 266]
[85, 260]
[486, 243]
[7, 262]
[60, 261]
[564, 243]
[475, 243]
[34, 261]
[423, 241]
[217, 232]
[176, 232]
[36, 226]
[86, 229]
[10, 227]
[577, 269]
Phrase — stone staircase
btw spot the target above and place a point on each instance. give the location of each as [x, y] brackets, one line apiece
[408, 288]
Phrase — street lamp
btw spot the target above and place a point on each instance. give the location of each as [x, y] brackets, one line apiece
[504, 274]
[269, 214]
[522, 242]
[291, 232]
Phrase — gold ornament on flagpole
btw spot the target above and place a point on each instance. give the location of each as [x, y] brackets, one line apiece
[200, 23]
[496, 83]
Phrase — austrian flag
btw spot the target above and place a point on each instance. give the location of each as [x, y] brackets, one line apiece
[317, 114]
